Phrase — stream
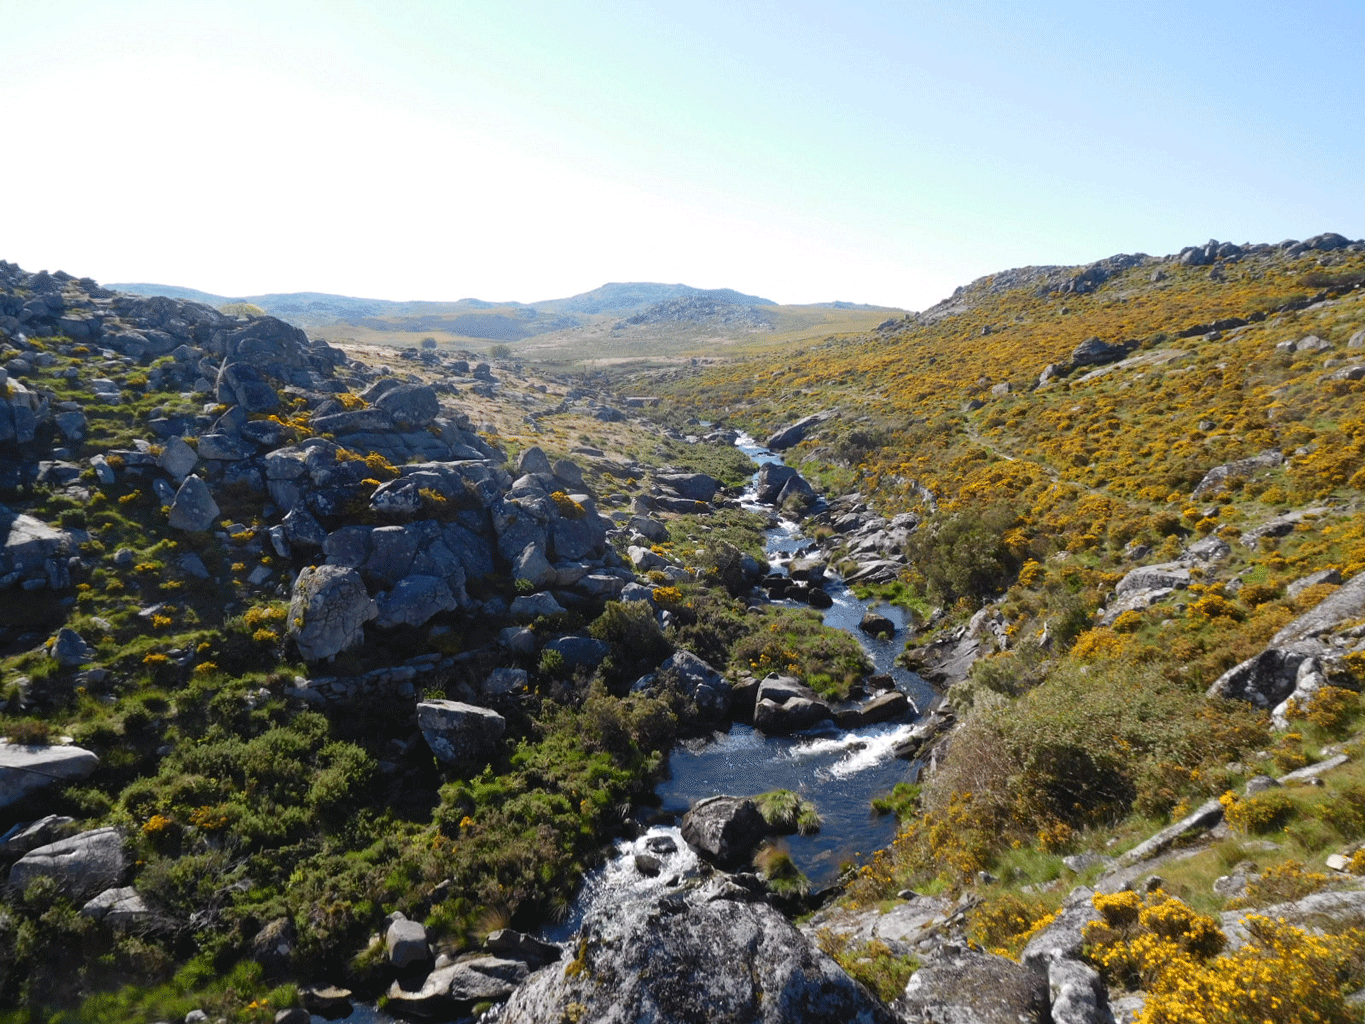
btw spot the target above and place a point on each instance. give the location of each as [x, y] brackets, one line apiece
[839, 771]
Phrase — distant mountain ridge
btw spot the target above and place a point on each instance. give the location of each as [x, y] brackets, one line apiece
[309, 309]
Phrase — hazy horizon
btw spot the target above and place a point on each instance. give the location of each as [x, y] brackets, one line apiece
[868, 152]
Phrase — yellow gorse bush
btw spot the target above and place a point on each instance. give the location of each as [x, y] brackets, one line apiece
[1282, 973]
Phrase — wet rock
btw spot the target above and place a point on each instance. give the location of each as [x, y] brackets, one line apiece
[707, 955]
[467, 981]
[783, 705]
[777, 484]
[514, 945]
[885, 707]
[724, 829]
[877, 625]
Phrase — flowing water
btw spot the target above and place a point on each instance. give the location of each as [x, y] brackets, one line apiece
[840, 772]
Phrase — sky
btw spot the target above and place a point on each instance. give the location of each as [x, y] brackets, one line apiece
[514, 150]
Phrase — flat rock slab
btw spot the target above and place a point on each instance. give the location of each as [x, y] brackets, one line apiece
[24, 769]
[82, 865]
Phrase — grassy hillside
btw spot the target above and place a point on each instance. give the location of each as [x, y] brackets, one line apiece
[1045, 495]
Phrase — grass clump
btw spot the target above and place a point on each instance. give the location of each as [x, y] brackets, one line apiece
[786, 812]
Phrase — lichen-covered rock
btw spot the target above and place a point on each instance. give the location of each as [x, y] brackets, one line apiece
[702, 956]
[414, 601]
[328, 611]
[412, 406]
[193, 509]
[966, 987]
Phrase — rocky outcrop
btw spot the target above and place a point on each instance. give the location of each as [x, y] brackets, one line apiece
[1243, 469]
[33, 555]
[710, 954]
[794, 433]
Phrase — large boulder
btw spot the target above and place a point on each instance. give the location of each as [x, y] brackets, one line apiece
[778, 484]
[724, 829]
[83, 865]
[784, 705]
[695, 486]
[406, 943]
[1094, 352]
[328, 611]
[25, 769]
[412, 406]
[459, 733]
[794, 433]
[712, 954]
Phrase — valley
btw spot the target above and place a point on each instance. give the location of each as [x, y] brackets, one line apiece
[333, 661]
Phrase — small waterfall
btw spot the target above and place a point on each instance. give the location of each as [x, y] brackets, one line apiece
[629, 876]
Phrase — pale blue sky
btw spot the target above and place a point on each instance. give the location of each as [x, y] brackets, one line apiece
[874, 152]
